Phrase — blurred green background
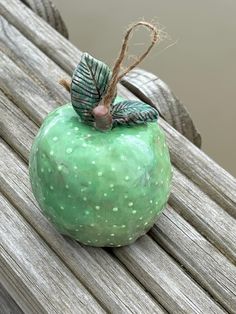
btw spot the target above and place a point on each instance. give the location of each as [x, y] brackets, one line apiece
[196, 57]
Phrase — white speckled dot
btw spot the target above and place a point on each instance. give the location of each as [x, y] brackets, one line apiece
[122, 157]
[156, 203]
[145, 223]
[125, 196]
[115, 209]
[69, 150]
[113, 169]
[134, 211]
[92, 225]
[118, 245]
[140, 218]
[75, 167]
[96, 240]
[62, 208]
[59, 167]
[127, 178]
[55, 138]
[89, 182]
[151, 201]
[76, 128]
[76, 229]
[105, 194]
[85, 198]
[86, 212]
[97, 207]
[112, 234]
[114, 226]
[139, 168]
[111, 185]
[130, 238]
[89, 241]
[106, 220]
[51, 187]
[97, 149]
[98, 216]
[84, 145]
[99, 174]
[123, 226]
[131, 204]
[151, 211]
[68, 133]
[42, 170]
[93, 162]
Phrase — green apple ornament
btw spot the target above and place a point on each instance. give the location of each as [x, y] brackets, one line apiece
[99, 166]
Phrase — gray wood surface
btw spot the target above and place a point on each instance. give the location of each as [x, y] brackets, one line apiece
[201, 169]
[7, 304]
[195, 235]
[33, 274]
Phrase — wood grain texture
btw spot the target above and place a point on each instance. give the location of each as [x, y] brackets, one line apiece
[11, 180]
[103, 276]
[164, 278]
[7, 304]
[201, 169]
[213, 271]
[36, 277]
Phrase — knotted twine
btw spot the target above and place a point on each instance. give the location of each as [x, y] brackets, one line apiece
[102, 113]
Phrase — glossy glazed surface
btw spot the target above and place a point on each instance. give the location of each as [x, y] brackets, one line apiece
[102, 189]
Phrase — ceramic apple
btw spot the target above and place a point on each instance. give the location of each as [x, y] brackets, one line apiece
[100, 188]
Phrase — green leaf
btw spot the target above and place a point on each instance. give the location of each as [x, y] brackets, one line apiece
[89, 84]
[130, 112]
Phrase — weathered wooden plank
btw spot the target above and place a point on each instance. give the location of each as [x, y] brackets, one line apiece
[215, 227]
[28, 22]
[35, 277]
[213, 271]
[15, 191]
[105, 278]
[7, 304]
[15, 127]
[204, 214]
[147, 261]
[214, 180]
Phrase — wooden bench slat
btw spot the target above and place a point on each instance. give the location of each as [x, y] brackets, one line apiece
[212, 225]
[174, 298]
[204, 214]
[27, 262]
[214, 180]
[213, 271]
[106, 279]
[7, 304]
[164, 278]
